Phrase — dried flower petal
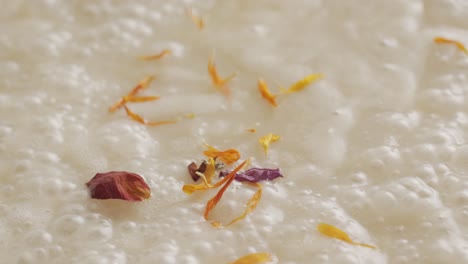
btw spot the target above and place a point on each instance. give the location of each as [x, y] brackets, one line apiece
[337, 233]
[143, 84]
[254, 258]
[141, 120]
[255, 175]
[155, 56]
[265, 92]
[191, 188]
[442, 40]
[217, 81]
[119, 185]
[227, 156]
[267, 139]
[226, 181]
[198, 21]
[139, 99]
[251, 204]
[251, 130]
[300, 85]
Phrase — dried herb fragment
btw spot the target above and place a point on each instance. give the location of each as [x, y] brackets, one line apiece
[119, 185]
[337, 233]
[302, 84]
[143, 84]
[442, 40]
[265, 92]
[267, 139]
[198, 21]
[254, 258]
[193, 169]
[227, 156]
[155, 56]
[143, 121]
[255, 175]
[217, 81]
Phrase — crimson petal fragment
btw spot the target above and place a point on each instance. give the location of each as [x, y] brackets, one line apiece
[119, 185]
[255, 175]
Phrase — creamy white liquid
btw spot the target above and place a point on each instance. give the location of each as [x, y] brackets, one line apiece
[377, 148]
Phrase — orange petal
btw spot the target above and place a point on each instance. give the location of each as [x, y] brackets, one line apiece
[251, 130]
[198, 21]
[334, 232]
[228, 180]
[251, 204]
[254, 258]
[155, 56]
[139, 99]
[134, 116]
[143, 84]
[217, 81]
[265, 92]
[442, 40]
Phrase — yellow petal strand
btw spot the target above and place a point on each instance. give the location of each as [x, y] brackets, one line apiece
[155, 56]
[265, 92]
[254, 258]
[251, 204]
[302, 84]
[210, 205]
[162, 122]
[442, 40]
[210, 170]
[337, 233]
[198, 21]
[267, 139]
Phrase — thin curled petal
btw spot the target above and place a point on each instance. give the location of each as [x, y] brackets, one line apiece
[254, 258]
[442, 40]
[302, 84]
[140, 99]
[141, 120]
[265, 92]
[156, 56]
[210, 205]
[334, 232]
[251, 204]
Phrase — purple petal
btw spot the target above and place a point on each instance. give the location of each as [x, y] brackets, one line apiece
[255, 175]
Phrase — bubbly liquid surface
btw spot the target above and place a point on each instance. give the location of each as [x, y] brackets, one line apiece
[377, 148]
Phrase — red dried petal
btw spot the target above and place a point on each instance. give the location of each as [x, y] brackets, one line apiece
[119, 185]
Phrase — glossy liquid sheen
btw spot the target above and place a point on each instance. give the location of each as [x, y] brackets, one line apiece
[376, 148]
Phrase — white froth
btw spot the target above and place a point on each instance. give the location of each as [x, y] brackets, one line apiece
[377, 148]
